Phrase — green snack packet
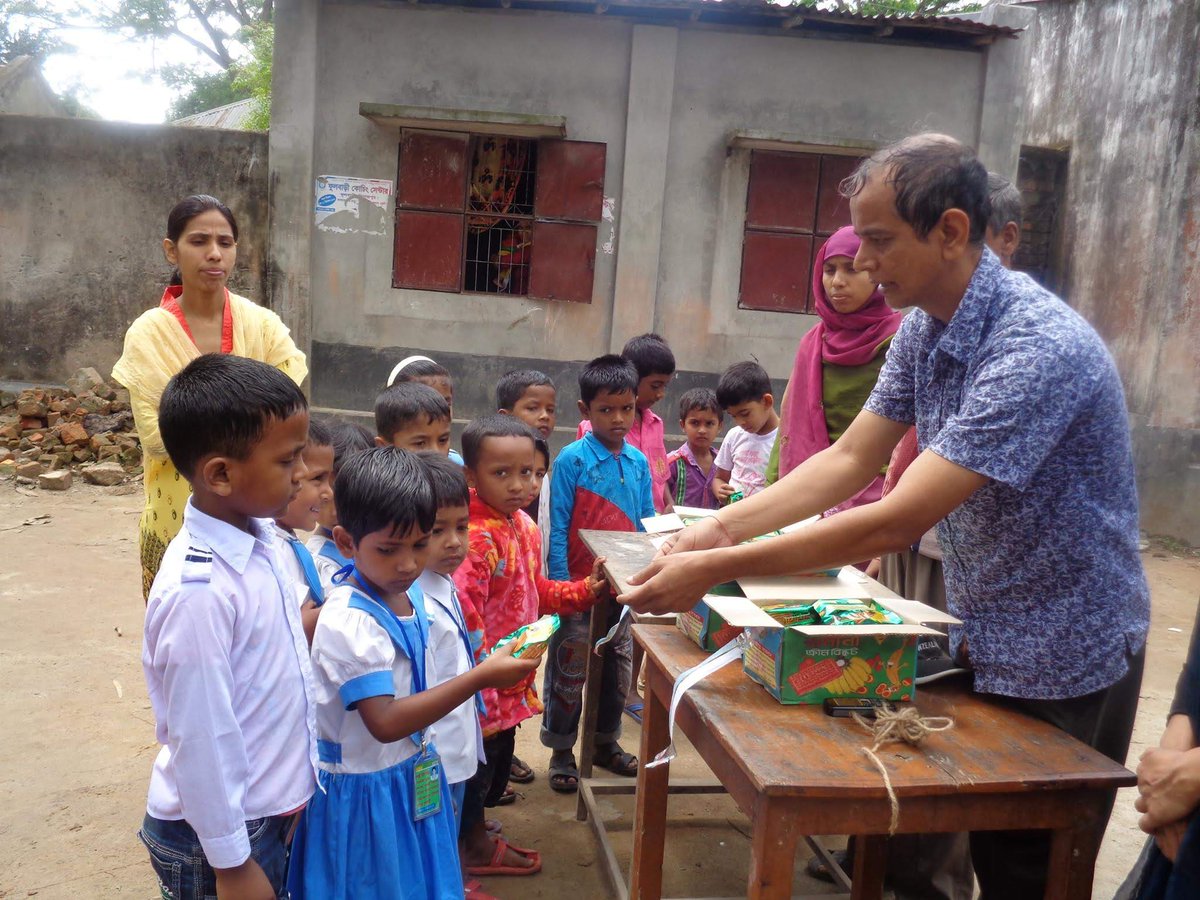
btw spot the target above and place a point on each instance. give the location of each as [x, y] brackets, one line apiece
[854, 612]
[537, 637]
[792, 613]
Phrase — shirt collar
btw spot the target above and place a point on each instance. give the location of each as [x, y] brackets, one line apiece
[964, 332]
[233, 545]
[601, 452]
[686, 452]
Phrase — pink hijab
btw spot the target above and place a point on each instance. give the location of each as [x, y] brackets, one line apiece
[843, 339]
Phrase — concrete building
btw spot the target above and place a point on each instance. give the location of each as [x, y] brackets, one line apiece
[24, 90]
[666, 165]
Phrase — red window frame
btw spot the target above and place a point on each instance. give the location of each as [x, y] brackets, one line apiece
[433, 217]
[792, 206]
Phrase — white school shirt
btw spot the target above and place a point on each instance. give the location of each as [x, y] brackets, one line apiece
[226, 665]
[326, 567]
[458, 735]
[354, 658]
[745, 457]
[291, 565]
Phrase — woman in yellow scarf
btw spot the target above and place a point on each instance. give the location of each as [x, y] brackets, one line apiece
[197, 315]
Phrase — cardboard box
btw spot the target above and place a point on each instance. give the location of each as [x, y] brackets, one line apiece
[707, 629]
[807, 663]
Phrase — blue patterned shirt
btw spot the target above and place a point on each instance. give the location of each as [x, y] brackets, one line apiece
[1041, 563]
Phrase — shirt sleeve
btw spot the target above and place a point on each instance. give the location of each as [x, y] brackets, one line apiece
[647, 503]
[354, 653]
[208, 751]
[1015, 409]
[563, 480]
[893, 396]
[725, 452]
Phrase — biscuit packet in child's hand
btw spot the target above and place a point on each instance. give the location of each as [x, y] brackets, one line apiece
[533, 638]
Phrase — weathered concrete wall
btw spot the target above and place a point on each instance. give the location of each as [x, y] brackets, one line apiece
[1115, 82]
[665, 100]
[83, 211]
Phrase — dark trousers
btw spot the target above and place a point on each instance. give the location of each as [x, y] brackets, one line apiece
[486, 786]
[1013, 864]
[566, 671]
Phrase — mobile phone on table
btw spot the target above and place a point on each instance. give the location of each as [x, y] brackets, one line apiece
[846, 706]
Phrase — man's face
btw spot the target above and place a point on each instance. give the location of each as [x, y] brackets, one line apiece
[902, 264]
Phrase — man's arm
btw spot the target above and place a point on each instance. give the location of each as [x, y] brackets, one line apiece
[930, 489]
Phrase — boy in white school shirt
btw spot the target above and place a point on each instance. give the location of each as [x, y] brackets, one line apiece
[224, 653]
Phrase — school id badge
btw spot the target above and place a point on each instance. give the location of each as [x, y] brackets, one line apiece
[427, 787]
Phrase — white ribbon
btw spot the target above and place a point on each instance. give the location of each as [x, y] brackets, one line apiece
[731, 652]
[612, 632]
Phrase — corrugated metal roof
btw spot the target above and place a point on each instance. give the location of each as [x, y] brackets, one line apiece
[765, 14]
[232, 116]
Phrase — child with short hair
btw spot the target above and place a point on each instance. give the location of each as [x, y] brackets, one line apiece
[599, 482]
[530, 396]
[501, 588]
[744, 392]
[424, 370]
[412, 416]
[316, 464]
[655, 364]
[691, 469]
[224, 653]
[346, 439]
[382, 825]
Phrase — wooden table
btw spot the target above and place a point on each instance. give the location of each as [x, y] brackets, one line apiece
[795, 771]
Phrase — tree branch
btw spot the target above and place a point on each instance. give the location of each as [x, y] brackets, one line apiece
[221, 55]
[203, 47]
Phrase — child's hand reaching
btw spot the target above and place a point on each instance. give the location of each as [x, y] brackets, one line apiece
[502, 669]
[724, 491]
[596, 582]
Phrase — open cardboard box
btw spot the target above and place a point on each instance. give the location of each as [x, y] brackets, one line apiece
[807, 663]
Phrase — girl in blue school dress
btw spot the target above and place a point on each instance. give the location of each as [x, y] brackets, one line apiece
[380, 826]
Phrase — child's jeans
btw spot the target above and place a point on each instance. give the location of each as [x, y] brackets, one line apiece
[566, 669]
[487, 785]
[183, 872]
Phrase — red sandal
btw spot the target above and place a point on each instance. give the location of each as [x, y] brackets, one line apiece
[495, 867]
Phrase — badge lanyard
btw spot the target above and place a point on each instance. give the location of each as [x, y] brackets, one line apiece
[427, 772]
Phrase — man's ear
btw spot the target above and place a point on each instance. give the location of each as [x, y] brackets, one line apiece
[214, 472]
[954, 230]
[583, 409]
[1010, 238]
[343, 541]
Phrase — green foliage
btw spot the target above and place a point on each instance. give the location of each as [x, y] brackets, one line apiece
[896, 7]
[27, 30]
[221, 23]
[254, 75]
[201, 90]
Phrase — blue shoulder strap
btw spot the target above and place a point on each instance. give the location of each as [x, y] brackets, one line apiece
[310, 569]
[329, 550]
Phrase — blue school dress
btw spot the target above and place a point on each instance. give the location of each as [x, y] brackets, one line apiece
[363, 836]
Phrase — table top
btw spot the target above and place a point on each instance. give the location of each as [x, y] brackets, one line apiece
[798, 750]
[626, 552]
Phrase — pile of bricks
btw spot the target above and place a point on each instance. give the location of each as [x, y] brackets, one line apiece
[49, 435]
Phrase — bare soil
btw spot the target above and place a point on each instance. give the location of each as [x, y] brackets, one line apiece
[78, 733]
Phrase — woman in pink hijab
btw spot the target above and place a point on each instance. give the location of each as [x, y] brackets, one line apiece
[837, 362]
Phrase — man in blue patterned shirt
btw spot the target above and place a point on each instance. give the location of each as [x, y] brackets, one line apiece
[1026, 469]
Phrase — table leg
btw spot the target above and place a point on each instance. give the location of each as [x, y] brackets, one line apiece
[1072, 866]
[650, 814]
[870, 862]
[597, 626]
[773, 851]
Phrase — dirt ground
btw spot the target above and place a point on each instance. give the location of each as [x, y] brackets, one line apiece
[78, 734]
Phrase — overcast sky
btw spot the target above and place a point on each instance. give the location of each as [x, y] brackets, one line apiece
[116, 76]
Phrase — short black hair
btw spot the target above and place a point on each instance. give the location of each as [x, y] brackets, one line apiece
[1005, 200]
[406, 402]
[347, 439]
[741, 383]
[930, 173]
[221, 403]
[493, 425]
[611, 373]
[421, 367]
[319, 434]
[448, 479]
[700, 398]
[543, 448]
[384, 487]
[512, 386]
[650, 355]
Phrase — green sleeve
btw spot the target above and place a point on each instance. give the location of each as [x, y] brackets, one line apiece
[773, 462]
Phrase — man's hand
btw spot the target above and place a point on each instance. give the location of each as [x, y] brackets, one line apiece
[1169, 837]
[703, 535]
[1168, 787]
[671, 583]
[245, 882]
